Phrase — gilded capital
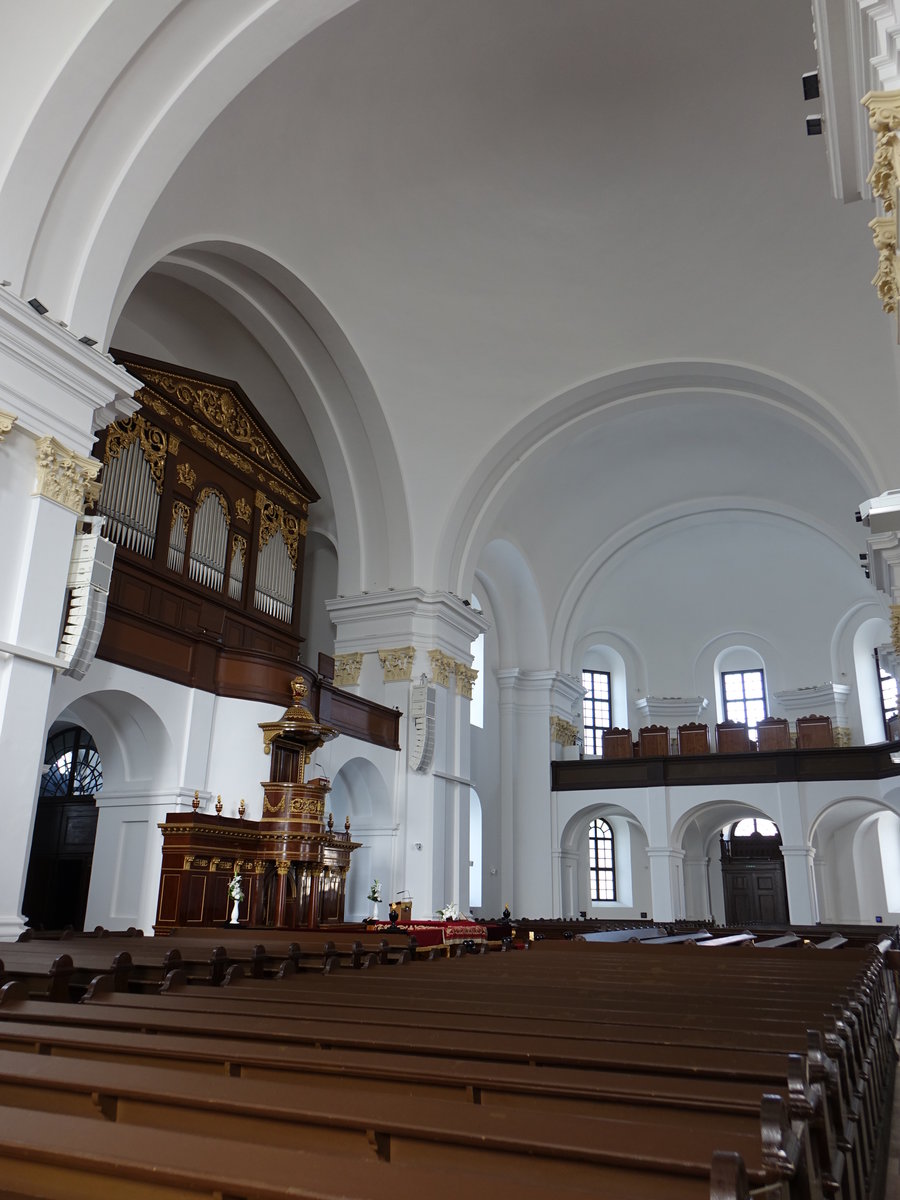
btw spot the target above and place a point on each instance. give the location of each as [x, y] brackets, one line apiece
[7, 420]
[346, 669]
[465, 680]
[887, 277]
[65, 477]
[398, 663]
[442, 666]
[843, 735]
[563, 732]
[895, 627]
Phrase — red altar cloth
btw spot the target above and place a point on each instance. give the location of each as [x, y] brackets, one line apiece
[434, 933]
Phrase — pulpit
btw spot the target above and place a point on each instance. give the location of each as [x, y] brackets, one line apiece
[293, 864]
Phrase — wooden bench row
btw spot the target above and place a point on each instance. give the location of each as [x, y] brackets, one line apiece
[627, 1098]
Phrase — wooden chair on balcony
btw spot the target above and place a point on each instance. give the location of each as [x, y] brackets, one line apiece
[733, 737]
[814, 733]
[693, 738]
[893, 728]
[653, 741]
[617, 743]
[773, 733]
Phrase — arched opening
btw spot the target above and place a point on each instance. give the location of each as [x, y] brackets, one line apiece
[753, 880]
[603, 864]
[65, 828]
[740, 683]
[871, 634]
[359, 792]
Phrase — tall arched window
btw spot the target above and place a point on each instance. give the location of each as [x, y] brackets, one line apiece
[602, 859]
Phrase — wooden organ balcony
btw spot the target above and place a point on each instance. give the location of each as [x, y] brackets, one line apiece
[209, 516]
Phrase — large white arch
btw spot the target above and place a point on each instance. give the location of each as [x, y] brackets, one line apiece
[322, 370]
[565, 418]
[102, 153]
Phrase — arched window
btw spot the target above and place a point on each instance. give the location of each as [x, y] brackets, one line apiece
[73, 765]
[601, 852]
[751, 825]
[744, 695]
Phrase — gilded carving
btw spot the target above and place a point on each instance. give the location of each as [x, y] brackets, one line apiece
[222, 409]
[188, 859]
[214, 864]
[7, 420]
[206, 492]
[273, 518]
[397, 664]
[283, 866]
[309, 807]
[186, 475]
[273, 808]
[64, 476]
[346, 669]
[240, 544]
[242, 510]
[153, 442]
[563, 732]
[843, 736]
[180, 511]
[442, 666]
[174, 444]
[465, 680]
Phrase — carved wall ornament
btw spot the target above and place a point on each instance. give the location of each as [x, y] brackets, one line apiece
[165, 410]
[186, 475]
[7, 420]
[240, 544]
[283, 866]
[397, 663]
[120, 436]
[843, 735]
[563, 732]
[465, 680]
[242, 510]
[221, 408]
[273, 518]
[346, 669]
[273, 808]
[64, 476]
[887, 277]
[174, 444]
[180, 512]
[895, 627]
[884, 119]
[309, 807]
[206, 492]
[442, 666]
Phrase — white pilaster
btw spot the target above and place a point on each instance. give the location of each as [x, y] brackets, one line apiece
[58, 389]
[799, 873]
[666, 883]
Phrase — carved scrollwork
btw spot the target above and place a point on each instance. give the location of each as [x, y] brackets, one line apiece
[465, 680]
[180, 512]
[240, 544]
[242, 510]
[274, 518]
[153, 442]
[186, 475]
[206, 492]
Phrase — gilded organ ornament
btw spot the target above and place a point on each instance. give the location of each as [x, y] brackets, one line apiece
[186, 475]
[273, 519]
[121, 434]
[242, 510]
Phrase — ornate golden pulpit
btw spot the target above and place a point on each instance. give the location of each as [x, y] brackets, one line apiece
[293, 864]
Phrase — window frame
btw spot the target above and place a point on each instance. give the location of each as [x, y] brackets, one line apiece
[886, 711]
[593, 732]
[601, 868]
[729, 704]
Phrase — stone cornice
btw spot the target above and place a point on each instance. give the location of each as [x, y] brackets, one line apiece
[59, 386]
[411, 615]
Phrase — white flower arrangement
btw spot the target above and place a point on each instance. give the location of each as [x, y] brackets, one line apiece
[375, 892]
[450, 912]
[235, 891]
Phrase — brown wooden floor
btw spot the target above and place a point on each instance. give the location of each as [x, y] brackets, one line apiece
[892, 1186]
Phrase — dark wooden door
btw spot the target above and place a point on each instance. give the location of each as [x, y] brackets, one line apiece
[755, 893]
[59, 869]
